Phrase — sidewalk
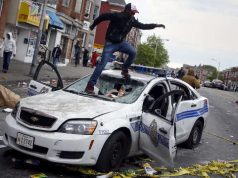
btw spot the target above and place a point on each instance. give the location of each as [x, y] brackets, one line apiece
[18, 72]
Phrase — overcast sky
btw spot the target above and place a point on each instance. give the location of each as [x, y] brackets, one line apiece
[198, 30]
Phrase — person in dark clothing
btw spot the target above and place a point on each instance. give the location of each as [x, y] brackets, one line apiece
[56, 55]
[181, 73]
[77, 51]
[85, 57]
[120, 25]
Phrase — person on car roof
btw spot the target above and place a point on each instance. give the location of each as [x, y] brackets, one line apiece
[120, 25]
[191, 79]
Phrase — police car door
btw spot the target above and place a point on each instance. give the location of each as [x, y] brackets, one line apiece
[43, 82]
[157, 133]
[188, 110]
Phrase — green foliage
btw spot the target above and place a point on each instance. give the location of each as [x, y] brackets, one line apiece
[152, 53]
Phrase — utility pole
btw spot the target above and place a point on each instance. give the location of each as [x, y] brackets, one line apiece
[37, 45]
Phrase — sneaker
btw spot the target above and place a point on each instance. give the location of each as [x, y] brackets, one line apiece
[89, 89]
[4, 71]
[125, 73]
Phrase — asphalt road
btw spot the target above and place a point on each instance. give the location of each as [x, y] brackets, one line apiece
[217, 143]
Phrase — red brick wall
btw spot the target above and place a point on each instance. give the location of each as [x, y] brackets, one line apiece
[70, 11]
[3, 17]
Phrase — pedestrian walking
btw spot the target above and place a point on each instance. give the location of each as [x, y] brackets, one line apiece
[181, 73]
[77, 51]
[85, 57]
[120, 25]
[9, 46]
[191, 79]
[56, 55]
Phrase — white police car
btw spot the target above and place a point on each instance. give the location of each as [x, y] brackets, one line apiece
[69, 126]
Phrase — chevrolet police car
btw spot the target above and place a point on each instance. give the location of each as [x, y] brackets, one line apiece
[69, 126]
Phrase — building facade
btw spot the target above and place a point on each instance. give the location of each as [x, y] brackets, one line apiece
[77, 16]
[3, 16]
[231, 78]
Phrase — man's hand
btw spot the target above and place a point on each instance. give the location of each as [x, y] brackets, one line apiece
[91, 27]
[14, 55]
[160, 25]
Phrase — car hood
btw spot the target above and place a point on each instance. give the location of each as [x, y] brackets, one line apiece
[64, 105]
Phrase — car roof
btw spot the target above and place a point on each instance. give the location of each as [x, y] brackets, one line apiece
[134, 75]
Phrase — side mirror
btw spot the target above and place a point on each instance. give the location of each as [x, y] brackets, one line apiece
[147, 103]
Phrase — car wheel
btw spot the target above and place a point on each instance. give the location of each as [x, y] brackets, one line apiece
[195, 135]
[114, 151]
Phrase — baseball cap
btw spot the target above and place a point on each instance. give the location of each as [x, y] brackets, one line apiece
[131, 7]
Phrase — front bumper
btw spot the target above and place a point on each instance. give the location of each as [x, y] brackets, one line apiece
[54, 146]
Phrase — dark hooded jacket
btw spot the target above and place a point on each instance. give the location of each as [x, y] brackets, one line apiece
[120, 25]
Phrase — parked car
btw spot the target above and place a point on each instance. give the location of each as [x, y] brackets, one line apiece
[207, 84]
[218, 84]
[70, 126]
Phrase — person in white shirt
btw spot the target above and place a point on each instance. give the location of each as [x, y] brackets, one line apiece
[9, 50]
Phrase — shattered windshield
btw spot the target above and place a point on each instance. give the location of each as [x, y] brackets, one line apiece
[111, 87]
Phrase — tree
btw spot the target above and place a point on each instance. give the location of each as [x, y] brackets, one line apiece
[152, 53]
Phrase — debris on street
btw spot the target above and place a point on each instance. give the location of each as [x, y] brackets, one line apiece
[8, 98]
[41, 175]
[205, 170]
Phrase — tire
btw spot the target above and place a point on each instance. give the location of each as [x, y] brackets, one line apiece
[114, 151]
[195, 135]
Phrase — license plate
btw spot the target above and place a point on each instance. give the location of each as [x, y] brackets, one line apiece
[25, 140]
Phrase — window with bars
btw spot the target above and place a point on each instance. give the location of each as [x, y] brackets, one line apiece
[65, 3]
[78, 6]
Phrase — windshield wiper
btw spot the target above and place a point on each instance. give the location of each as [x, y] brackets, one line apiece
[72, 91]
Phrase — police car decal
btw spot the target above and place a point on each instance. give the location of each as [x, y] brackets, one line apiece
[192, 113]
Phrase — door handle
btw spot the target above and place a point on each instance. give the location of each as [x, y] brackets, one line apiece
[163, 130]
[33, 86]
[193, 105]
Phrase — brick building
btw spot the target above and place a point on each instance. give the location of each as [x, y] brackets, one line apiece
[3, 16]
[231, 78]
[77, 15]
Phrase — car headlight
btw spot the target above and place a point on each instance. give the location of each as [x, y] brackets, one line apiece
[15, 110]
[79, 127]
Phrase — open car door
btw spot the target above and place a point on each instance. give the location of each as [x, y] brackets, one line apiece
[157, 133]
[50, 82]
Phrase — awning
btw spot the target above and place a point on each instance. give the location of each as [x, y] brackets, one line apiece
[54, 20]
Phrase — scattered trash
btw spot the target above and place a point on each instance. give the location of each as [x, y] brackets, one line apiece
[8, 98]
[148, 169]
[8, 110]
[28, 161]
[22, 84]
[231, 136]
[41, 175]
[105, 175]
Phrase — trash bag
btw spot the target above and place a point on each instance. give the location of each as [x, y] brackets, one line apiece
[8, 98]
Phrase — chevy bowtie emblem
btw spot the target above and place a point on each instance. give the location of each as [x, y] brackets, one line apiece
[34, 119]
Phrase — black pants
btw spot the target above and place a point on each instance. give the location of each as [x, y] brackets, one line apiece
[85, 62]
[6, 60]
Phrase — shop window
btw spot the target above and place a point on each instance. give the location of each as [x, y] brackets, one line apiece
[95, 13]
[88, 8]
[65, 3]
[78, 6]
[1, 5]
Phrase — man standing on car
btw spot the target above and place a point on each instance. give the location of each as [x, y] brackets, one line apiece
[120, 25]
